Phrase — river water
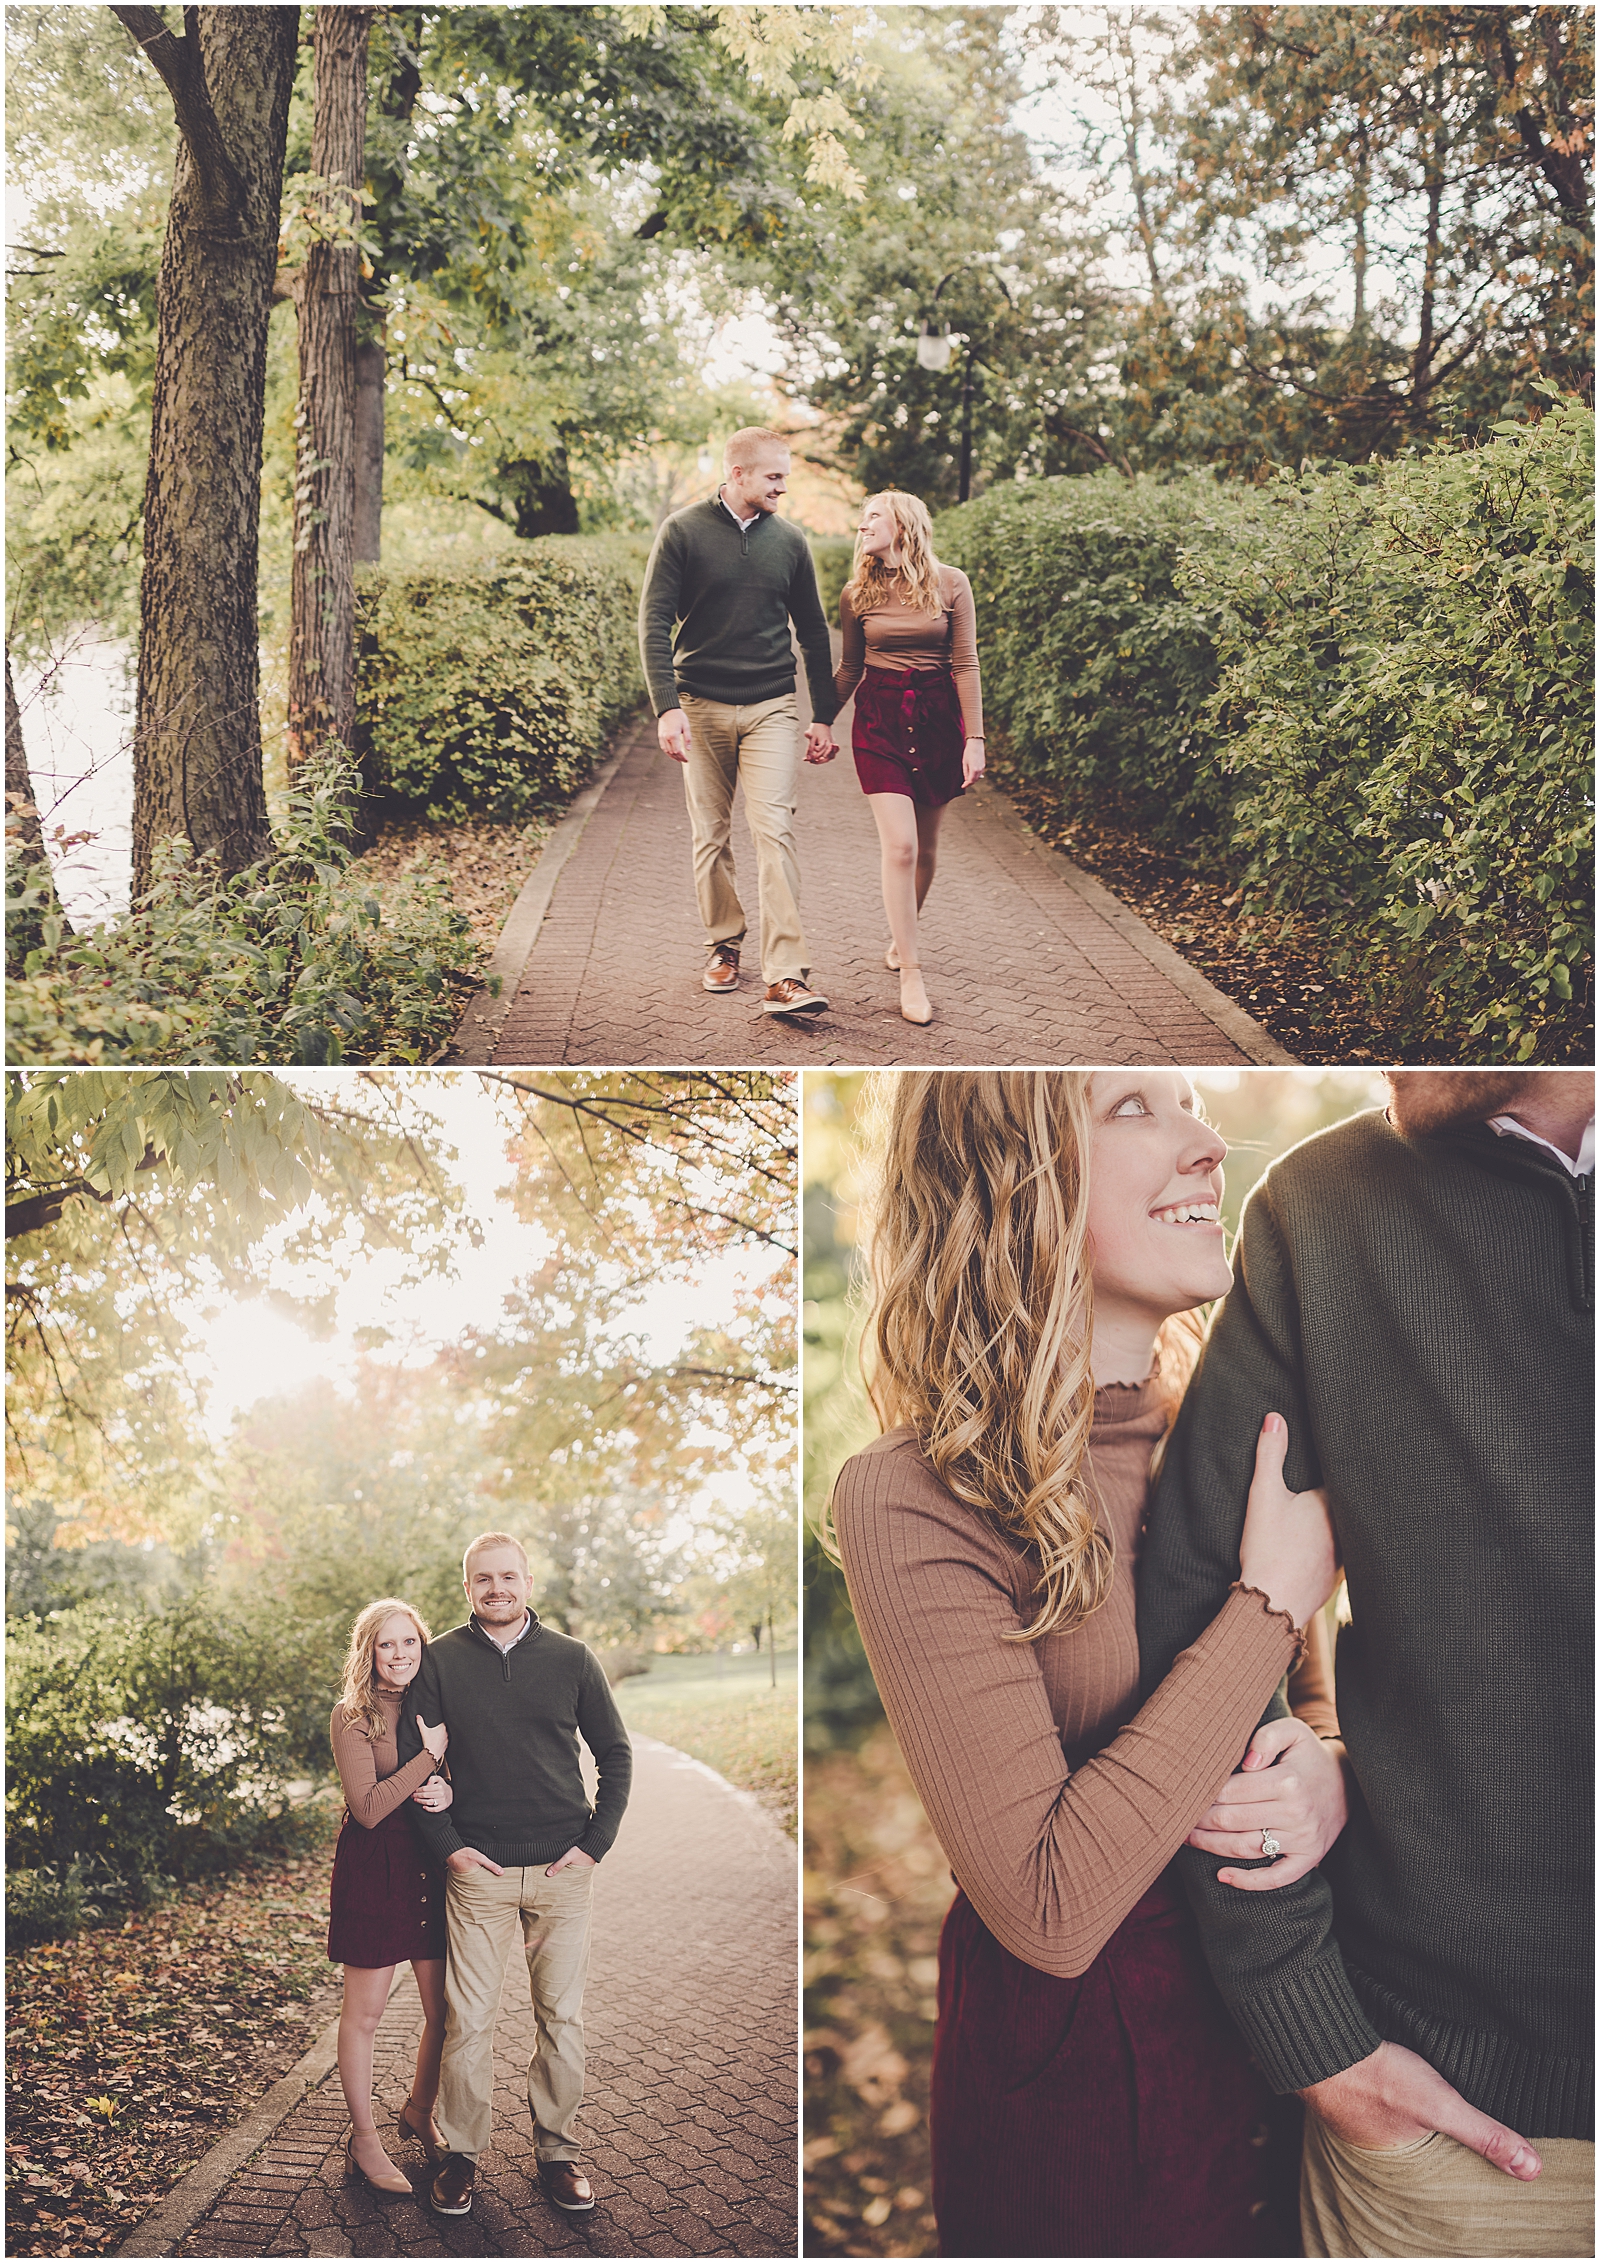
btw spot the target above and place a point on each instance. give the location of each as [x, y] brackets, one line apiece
[77, 725]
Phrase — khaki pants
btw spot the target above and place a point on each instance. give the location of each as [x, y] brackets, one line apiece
[482, 1914]
[1435, 2197]
[759, 748]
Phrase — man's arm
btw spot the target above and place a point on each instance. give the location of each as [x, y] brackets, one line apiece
[1274, 1955]
[603, 1732]
[659, 609]
[811, 627]
[439, 1833]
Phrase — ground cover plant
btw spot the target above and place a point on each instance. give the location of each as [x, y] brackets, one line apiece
[132, 2047]
[301, 958]
[725, 1711]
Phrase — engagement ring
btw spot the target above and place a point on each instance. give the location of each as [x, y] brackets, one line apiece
[1269, 1845]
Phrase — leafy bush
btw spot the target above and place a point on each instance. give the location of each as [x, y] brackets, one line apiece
[1096, 660]
[1406, 701]
[833, 555]
[298, 959]
[489, 689]
[148, 1747]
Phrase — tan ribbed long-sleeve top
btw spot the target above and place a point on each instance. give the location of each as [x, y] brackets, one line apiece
[1057, 1803]
[369, 1768]
[894, 636]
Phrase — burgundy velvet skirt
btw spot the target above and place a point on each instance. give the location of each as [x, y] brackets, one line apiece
[1114, 2114]
[386, 1905]
[907, 736]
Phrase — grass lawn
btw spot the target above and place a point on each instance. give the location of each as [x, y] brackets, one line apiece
[724, 1711]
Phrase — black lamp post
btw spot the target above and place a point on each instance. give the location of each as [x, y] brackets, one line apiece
[934, 348]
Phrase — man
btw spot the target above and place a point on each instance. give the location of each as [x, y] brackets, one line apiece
[1414, 1294]
[520, 1843]
[732, 575]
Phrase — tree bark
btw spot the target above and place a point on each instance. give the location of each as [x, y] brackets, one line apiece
[197, 735]
[372, 363]
[322, 664]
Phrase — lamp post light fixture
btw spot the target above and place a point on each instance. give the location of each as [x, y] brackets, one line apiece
[935, 346]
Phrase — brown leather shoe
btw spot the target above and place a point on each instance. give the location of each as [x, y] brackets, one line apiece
[451, 2191]
[792, 997]
[722, 969]
[566, 2186]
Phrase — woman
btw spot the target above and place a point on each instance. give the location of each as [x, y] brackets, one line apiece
[1033, 1238]
[387, 1901]
[911, 658]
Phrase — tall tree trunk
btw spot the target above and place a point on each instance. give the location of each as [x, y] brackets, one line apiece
[1358, 250]
[197, 742]
[1422, 357]
[372, 363]
[394, 82]
[23, 831]
[322, 660]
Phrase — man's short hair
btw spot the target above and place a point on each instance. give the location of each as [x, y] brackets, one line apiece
[750, 441]
[491, 1540]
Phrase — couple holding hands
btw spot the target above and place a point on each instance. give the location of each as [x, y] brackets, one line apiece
[725, 581]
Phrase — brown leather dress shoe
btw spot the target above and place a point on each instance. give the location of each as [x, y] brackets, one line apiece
[722, 969]
[566, 2185]
[792, 996]
[451, 2192]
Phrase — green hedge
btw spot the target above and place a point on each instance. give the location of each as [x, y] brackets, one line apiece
[489, 690]
[144, 1748]
[1096, 661]
[1407, 704]
[1368, 690]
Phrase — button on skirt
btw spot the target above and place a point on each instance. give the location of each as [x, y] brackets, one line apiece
[387, 1901]
[907, 736]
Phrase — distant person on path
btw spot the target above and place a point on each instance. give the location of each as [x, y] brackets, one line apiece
[911, 658]
[520, 1844]
[1415, 1293]
[730, 576]
[1032, 1237]
[387, 1898]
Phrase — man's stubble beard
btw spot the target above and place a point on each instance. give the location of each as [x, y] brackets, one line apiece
[1435, 1100]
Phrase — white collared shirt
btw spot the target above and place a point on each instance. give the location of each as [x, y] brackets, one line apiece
[740, 523]
[527, 1621]
[1507, 1127]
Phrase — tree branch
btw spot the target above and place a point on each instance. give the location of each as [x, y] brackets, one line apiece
[177, 62]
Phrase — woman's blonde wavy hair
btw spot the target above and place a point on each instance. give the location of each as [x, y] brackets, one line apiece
[914, 576]
[982, 1308]
[359, 1696]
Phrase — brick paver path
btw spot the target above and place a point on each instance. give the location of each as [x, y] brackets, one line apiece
[1028, 963]
[689, 2130]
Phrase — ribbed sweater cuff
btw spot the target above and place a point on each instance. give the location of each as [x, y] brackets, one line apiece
[1304, 2029]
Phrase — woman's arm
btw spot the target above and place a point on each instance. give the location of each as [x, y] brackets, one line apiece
[848, 673]
[369, 1797]
[964, 657]
[1051, 1861]
[1290, 1783]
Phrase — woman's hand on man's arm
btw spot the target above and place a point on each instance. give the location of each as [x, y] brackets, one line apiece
[1291, 1785]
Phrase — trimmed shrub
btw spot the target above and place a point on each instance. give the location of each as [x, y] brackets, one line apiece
[151, 1747]
[1096, 661]
[1406, 703]
[489, 689]
[298, 959]
[833, 555]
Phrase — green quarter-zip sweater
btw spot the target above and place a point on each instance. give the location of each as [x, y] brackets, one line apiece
[1421, 1312]
[514, 1718]
[731, 593]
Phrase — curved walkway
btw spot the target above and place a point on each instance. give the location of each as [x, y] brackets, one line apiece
[689, 2130]
[1030, 962]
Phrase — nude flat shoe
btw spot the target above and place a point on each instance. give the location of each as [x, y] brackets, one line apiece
[921, 1020]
